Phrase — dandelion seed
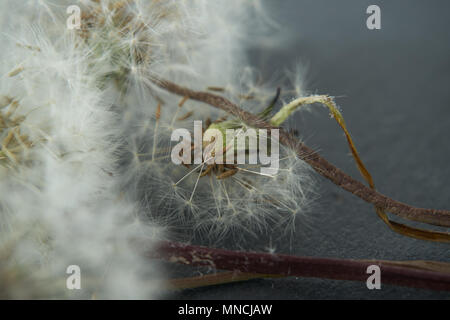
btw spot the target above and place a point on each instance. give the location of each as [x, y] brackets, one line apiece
[15, 72]
[217, 89]
[183, 101]
[5, 101]
[186, 116]
[227, 174]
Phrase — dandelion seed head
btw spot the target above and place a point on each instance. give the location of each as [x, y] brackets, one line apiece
[64, 194]
[100, 135]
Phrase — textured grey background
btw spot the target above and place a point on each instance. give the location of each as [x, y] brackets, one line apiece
[392, 86]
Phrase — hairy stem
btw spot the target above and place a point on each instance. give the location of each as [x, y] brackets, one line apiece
[288, 109]
[318, 163]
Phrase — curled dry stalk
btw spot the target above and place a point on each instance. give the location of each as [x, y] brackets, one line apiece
[382, 203]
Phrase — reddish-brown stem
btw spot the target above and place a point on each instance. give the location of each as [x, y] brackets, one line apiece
[416, 274]
[319, 164]
[214, 279]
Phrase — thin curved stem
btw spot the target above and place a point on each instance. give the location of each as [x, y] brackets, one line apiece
[318, 163]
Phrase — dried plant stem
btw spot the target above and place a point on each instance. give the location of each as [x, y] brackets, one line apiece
[215, 279]
[319, 164]
[417, 274]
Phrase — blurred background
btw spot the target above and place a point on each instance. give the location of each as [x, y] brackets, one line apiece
[393, 87]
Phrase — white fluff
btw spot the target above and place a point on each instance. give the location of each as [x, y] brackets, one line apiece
[60, 201]
[94, 159]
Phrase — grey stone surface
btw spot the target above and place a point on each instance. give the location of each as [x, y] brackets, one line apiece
[393, 87]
